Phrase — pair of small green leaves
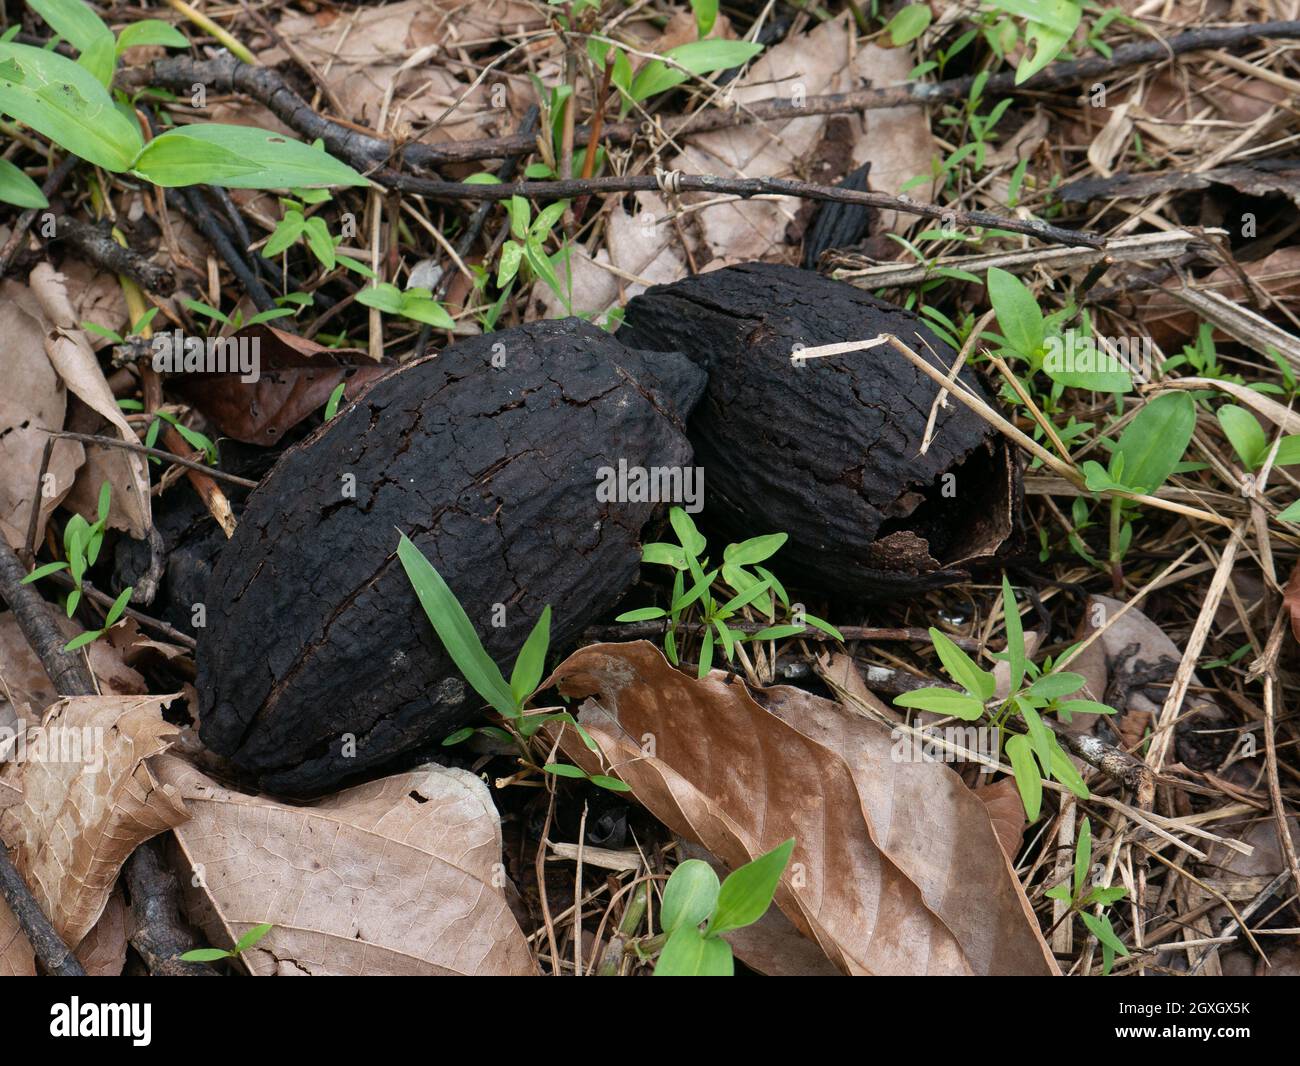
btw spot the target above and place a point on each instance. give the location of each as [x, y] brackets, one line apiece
[1049, 25]
[977, 682]
[694, 897]
[528, 241]
[1251, 443]
[296, 225]
[82, 541]
[1074, 894]
[417, 304]
[248, 940]
[67, 103]
[1150, 448]
[908, 23]
[1034, 337]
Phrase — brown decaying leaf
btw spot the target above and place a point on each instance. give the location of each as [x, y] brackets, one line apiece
[103, 951]
[71, 356]
[1291, 600]
[1006, 812]
[896, 868]
[88, 799]
[32, 401]
[296, 377]
[398, 876]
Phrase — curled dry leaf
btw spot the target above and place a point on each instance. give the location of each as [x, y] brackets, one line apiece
[397, 876]
[71, 356]
[88, 799]
[295, 379]
[896, 868]
[32, 401]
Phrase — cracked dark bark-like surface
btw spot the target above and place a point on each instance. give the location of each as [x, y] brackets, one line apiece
[828, 452]
[313, 629]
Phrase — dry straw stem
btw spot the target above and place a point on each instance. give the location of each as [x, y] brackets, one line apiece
[982, 408]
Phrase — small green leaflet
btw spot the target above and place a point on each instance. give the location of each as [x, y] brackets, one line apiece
[151, 31]
[690, 895]
[1028, 781]
[238, 157]
[962, 668]
[942, 701]
[908, 23]
[696, 57]
[747, 892]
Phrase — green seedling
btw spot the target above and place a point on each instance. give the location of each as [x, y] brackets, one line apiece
[697, 910]
[508, 698]
[82, 542]
[749, 585]
[1251, 443]
[247, 941]
[1035, 691]
[416, 304]
[1080, 893]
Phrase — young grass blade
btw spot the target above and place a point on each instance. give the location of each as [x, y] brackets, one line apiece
[1015, 635]
[456, 630]
[531, 659]
[747, 892]
[962, 668]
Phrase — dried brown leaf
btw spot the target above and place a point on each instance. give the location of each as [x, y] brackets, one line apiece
[896, 868]
[398, 876]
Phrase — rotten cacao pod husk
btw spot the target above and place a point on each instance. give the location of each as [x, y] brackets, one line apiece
[828, 450]
[317, 663]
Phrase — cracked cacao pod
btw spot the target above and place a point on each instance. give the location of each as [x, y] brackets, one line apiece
[487, 456]
[829, 451]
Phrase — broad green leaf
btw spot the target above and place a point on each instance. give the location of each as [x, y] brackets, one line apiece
[706, 14]
[1019, 316]
[754, 550]
[151, 31]
[1244, 433]
[531, 660]
[384, 296]
[1015, 635]
[962, 668]
[688, 954]
[1055, 685]
[1101, 928]
[747, 892]
[691, 538]
[689, 896]
[63, 101]
[239, 157]
[1153, 443]
[17, 188]
[613, 784]
[1029, 782]
[943, 701]
[1082, 856]
[1288, 451]
[696, 57]
[1064, 771]
[251, 938]
[455, 629]
[100, 59]
[422, 307]
[1078, 362]
[908, 23]
[72, 20]
[664, 555]
[319, 241]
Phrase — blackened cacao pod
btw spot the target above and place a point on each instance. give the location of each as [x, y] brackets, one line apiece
[317, 662]
[829, 451]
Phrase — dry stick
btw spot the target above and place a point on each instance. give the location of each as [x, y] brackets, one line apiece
[658, 627]
[33, 519]
[71, 678]
[225, 74]
[96, 244]
[677, 182]
[158, 453]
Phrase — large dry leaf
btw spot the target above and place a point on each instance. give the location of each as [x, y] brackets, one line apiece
[398, 876]
[896, 141]
[32, 401]
[88, 799]
[75, 361]
[896, 868]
